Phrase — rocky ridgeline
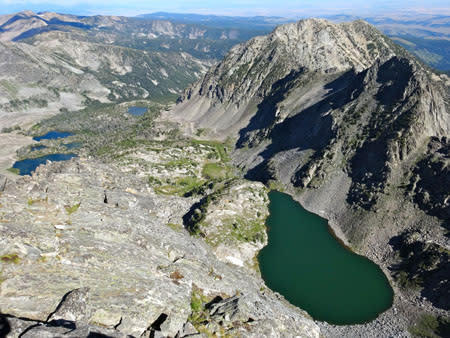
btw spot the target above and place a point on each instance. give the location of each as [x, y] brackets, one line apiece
[78, 73]
[52, 62]
[251, 71]
[88, 250]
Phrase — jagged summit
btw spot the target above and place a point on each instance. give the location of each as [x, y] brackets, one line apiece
[27, 13]
[251, 70]
[318, 44]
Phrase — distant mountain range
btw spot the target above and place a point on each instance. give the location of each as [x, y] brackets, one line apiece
[426, 36]
[241, 22]
[86, 59]
[55, 61]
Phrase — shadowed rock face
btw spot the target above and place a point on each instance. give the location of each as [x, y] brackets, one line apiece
[430, 182]
[424, 266]
[372, 118]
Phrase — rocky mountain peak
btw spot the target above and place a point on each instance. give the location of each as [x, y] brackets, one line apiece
[318, 44]
[251, 70]
[25, 14]
[315, 87]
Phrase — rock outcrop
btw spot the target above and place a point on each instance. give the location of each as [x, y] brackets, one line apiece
[232, 220]
[88, 250]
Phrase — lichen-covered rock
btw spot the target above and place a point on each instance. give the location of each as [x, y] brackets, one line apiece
[139, 271]
[232, 221]
[73, 307]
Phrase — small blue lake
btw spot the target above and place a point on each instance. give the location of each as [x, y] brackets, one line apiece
[73, 145]
[137, 111]
[53, 135]
[27, 166]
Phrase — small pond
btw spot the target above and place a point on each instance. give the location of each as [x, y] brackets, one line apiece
[137, 111]
[305, 263]
[52, 135]
[27, 166]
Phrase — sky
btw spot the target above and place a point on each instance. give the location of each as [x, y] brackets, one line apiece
[285, 8]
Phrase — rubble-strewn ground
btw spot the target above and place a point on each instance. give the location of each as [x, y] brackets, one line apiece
[116, 228]
[84, 224]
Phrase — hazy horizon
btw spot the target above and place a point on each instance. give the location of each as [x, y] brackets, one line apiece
[288, 8]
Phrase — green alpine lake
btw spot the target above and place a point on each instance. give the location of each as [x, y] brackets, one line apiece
[305, 263]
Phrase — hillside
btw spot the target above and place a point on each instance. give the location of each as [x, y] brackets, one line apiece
[53, 62]
[149, 33]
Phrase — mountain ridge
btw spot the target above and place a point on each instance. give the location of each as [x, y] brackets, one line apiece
[277, 45]
[344, 137]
